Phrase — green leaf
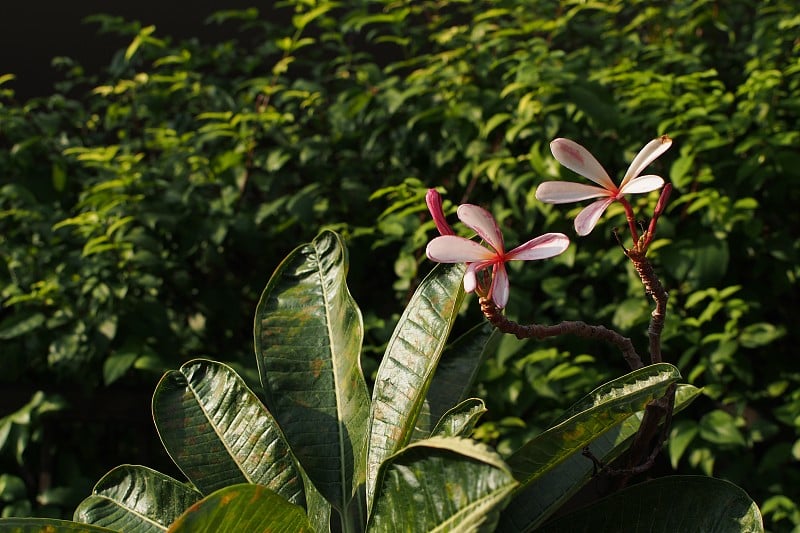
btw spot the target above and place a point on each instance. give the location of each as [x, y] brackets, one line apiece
[461, 419]
[760, 334]
[47, 525]
[243, 508]
[136, 499]
[590, 417]
[669, 504]
[318, 509]
[115, 366]
[720, 427]
[19, 324]
[441, 484]
[534, 503]
[459, 366]
[407, 368]
[308, 335]
[218, 432]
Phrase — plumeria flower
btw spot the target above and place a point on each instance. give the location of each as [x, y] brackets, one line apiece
[434, 201]
[454, 249]
[578, 159]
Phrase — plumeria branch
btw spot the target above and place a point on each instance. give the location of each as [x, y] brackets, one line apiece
[572, 327]
[656, 291]
[652, 285]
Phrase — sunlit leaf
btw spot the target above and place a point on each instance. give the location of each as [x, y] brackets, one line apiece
[136, 499]
[408, 364]
[308, 334]
[441, 484]
[243, 508]
[219, 433]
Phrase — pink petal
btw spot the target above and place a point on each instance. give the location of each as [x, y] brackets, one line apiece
[483, 223]
[587, 219]
[453, 249]
[542, 247]
[646, 155]
[560, 192]
[578, 159]
[434, 201]
[642, 184]
[470, 278]
[500, 286]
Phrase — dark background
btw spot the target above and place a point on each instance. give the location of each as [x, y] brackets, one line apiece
[33, 32]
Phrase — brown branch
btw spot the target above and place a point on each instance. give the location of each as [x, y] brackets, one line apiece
[656, 291]
[577, 328]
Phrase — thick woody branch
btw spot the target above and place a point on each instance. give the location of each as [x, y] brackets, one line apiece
[579, 329]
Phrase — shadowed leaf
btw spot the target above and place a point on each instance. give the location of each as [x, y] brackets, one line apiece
[666, 505]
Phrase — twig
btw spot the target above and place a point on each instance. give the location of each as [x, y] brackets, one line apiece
[577, 328]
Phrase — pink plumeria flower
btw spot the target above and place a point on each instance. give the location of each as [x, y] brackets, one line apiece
[434, 201]
[454, 249]
[578, 159]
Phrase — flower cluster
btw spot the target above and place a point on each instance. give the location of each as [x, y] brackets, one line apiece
[450, 248]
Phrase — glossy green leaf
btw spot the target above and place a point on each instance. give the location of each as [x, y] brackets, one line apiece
[458, 368]
[461, 419]
[308, 334]
[454, 376]
[136, 499]
[407, 368]
[47, 525]
[536, 502]
[240, 508]
[218, 432]
[318, 509]
[441, 484]
[668, 504]
[590, 417]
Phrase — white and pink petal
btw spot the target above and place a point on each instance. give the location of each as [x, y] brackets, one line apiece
[642, 184]
[542, 247]
[578, 159]
[646, 155]
[500, 286]
[454, 249]
[588, 217]
[483, 223]
[561, 192]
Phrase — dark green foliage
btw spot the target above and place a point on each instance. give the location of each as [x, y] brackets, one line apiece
[140, 209]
